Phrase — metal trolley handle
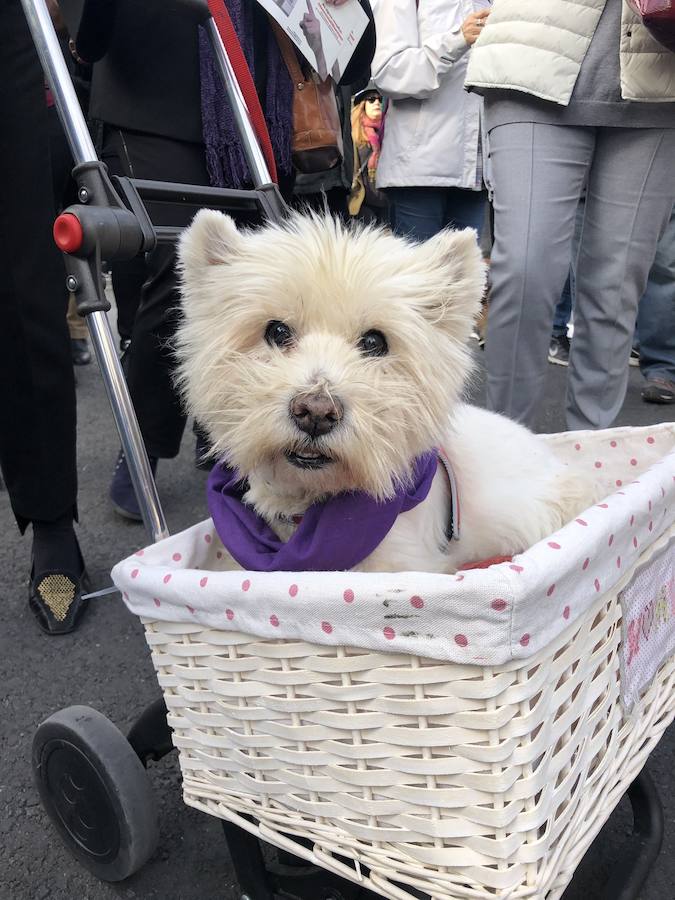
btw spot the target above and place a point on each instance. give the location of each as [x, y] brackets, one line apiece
[111, 222]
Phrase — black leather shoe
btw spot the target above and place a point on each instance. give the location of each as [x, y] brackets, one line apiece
[79, 349]
[55, 597]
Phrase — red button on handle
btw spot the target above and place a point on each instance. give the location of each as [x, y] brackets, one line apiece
[68, 233]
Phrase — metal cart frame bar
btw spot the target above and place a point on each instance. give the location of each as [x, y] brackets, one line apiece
[88, 167]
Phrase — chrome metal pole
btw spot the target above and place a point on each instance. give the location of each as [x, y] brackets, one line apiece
[127, 426]
[254, 155]
[82, 147]
[56, 73]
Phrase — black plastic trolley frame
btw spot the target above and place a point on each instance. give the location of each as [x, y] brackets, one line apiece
[91, 778]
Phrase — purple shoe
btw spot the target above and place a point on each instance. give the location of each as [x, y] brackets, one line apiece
[122, 492]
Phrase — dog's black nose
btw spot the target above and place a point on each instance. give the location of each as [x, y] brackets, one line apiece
[316, 414]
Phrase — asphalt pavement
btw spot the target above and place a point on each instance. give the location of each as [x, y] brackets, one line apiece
[106, 664]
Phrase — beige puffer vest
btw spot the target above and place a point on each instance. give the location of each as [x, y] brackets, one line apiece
[537, 46]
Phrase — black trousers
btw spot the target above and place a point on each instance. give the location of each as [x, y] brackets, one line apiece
[150, 363]
[37, 386]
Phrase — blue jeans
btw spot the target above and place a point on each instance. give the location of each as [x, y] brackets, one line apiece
[421, 212]
[563, 310]
[656, 313]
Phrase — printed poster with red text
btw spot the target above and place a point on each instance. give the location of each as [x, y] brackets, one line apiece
[326, 35]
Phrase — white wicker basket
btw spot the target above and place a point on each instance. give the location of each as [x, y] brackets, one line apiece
[406, 772]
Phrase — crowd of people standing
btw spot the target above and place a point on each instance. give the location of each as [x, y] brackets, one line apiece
[455, 113]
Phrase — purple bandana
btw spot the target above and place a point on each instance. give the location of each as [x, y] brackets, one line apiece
[334, 535]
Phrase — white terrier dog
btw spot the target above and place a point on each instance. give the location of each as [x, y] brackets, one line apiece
[323, 359]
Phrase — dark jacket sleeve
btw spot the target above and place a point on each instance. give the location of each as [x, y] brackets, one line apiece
[358, 67]
[90, 24]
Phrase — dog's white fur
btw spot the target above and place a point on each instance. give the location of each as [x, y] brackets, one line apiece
[331, 284]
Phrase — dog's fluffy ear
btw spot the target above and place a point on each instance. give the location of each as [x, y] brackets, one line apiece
[211, 240]
[458, 257]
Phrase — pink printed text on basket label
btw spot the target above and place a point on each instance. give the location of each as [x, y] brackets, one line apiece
[648, 627]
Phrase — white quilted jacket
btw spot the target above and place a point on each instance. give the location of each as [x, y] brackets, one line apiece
[537, 46]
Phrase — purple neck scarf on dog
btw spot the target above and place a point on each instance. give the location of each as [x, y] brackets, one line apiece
[334, 535]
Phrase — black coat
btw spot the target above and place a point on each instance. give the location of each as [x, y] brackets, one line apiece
[146, 76]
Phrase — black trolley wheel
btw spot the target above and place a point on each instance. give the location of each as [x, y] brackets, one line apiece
[95, 791]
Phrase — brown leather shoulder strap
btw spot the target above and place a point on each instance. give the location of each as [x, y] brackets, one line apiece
[287, 52]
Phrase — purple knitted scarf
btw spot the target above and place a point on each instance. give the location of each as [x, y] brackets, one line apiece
[225, 160]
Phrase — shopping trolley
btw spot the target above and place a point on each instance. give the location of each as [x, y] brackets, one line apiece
[399, 766]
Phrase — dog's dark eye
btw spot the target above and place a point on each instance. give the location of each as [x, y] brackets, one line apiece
[278, 334]
[373, 343]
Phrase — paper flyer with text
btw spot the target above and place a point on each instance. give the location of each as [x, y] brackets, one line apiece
[325, 35]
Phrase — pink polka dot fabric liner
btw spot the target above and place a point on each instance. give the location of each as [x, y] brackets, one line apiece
[480, 616]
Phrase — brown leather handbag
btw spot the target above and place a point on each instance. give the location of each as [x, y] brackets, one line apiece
[317, 134]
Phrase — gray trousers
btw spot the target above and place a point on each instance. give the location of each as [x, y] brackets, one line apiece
[537, 173]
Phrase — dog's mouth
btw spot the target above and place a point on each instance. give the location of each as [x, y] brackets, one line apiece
[307, 459]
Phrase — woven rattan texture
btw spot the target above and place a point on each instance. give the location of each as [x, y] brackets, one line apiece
[459, 781]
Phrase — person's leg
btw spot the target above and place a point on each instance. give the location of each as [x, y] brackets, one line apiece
[37, 388]
[77, 329]
[563, 310]
[628, 202]
[656, 322]
[63, 187]
[418, 212]
[538, 172]
[150, 363]
[128, 276]
[466, 209]
[559, 346]
[37, 396]
[64, 194]
[559, 350]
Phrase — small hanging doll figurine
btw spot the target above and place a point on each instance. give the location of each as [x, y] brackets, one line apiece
[365, 201]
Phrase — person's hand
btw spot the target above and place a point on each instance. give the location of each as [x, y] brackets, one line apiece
[311, 28]
[473, 25]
